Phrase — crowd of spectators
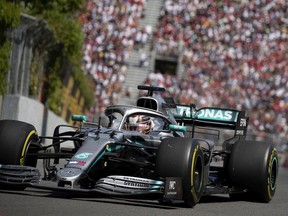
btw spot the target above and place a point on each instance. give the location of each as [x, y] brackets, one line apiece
[111, 32]
[235, 54]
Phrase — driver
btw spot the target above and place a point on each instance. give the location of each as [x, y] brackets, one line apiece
[140, 123]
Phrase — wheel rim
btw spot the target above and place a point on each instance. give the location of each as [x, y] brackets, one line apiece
[273, 174]
[26, 147]
[198, 173]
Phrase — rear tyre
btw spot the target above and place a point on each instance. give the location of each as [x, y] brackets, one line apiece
[15, 143]
[183, 157]
[254, 166]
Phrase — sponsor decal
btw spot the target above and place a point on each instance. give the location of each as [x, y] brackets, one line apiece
[208, 114]
[172, 185]
[239, 132]
[136, 179]
[173, 188]
[172, 193]
[81, 163]
[243, 122]
[184, 111]
[73, 162]
[215, 114]
[136, 184]
[83, 155]
[68, 172]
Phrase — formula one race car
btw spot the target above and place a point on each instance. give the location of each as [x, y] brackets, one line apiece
[156, 150]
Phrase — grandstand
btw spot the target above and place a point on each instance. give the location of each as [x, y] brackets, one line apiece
[225, 53]
[136, 74]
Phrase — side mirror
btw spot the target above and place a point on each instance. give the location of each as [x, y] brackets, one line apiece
[79, 118]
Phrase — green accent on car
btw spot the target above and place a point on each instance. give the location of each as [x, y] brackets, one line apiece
[79, 118]
[113, 148]
[178, 128]
[83, 155]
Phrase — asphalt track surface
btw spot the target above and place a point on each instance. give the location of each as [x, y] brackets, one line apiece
[38, 202]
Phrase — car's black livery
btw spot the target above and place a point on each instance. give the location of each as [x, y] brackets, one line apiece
[173, 161]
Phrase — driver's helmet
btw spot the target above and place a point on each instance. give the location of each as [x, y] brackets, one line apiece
[140, 123]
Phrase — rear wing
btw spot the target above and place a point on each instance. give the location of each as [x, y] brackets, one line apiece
[211, 117]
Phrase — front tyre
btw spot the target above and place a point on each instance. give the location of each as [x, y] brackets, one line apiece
[15, 142]
[183, 157]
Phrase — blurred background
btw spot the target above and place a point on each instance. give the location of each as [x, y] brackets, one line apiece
[64, 57]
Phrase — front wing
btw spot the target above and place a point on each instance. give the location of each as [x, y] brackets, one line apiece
[110, 186]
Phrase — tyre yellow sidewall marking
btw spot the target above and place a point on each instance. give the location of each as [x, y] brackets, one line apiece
[192, 173]
[271, 159]
[22, 158]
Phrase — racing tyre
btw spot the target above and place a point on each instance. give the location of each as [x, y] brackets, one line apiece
[183, 157]
[15, 140]
[254, 166]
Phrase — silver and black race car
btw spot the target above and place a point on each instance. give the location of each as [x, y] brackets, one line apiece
[156, 150]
